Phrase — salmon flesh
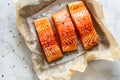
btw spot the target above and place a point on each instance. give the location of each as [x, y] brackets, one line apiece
[83, 24]
[47, 39]
[65, 30]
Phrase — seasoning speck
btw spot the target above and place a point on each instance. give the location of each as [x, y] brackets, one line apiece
[19, 34]
[23, 58]
[20, 42]
[13, 50]
[25, 67]
[66, 54]
[2, 75]
[2, 55]
[41, 15]
[59, 4]
[55, 63]
[13, 36]
[13, 65]
[8, 3]
[10, 31]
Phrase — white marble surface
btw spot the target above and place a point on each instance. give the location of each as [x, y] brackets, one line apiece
[15, 62]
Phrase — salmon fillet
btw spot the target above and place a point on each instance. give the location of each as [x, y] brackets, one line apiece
[83, 24]
[65, 30]
[47, 39]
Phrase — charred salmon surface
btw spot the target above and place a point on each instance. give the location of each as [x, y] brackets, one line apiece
[65, 30]
[47, 39]
[83, 24]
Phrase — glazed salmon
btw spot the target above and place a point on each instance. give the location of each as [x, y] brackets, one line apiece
[65, 30]
[47, 39]
[83, 24]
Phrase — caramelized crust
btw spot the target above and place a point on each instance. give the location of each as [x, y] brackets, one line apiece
[83, 24]
[65, 30]
[47, 39]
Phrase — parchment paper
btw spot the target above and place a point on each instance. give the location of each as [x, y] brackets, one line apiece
[28, 10]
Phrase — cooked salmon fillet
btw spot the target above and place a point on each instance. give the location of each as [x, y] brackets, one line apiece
[65, 30]
[83, 23]
[47, 39]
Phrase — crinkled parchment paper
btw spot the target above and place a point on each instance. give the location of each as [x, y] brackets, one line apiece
[28, 10]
